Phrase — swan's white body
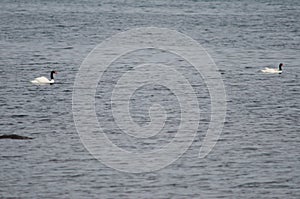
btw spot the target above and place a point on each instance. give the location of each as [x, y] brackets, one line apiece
[271, 70]
[42, 80]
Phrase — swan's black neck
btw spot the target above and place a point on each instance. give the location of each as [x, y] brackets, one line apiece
[280, 67]
[52, 76]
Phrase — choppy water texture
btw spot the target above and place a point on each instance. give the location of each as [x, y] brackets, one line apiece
[257, 155]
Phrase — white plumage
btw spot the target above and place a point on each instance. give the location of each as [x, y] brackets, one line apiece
[44, 80]
[273, 70]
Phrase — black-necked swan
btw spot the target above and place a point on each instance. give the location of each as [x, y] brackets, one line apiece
[273, 70]
[44, 80]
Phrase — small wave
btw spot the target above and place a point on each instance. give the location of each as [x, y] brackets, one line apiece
[19, 116]
[15, 137]
[68, 47]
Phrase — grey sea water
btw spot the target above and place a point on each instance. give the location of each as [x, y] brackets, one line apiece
[257, 155]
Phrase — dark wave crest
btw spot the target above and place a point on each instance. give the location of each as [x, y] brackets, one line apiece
[15, 137]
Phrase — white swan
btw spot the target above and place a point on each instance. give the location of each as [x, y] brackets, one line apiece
[44, 80]
[273, 70]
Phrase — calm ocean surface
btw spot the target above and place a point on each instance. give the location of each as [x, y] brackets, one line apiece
[257, 155]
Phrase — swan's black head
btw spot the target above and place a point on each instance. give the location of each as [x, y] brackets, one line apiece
[280, 66]
[52, 72]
